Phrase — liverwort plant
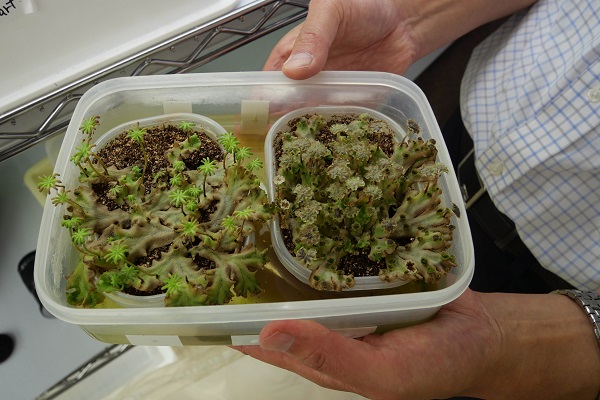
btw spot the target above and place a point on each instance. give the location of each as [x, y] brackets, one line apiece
[208, 168]
[49, 182]
[230, 143]
[182, 231]
[351, 195]
[187, 127]
[137, 134]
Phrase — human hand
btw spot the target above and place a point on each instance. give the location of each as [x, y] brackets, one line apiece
[378, 35]
[436, 359]
[492, 346]
[347, 35]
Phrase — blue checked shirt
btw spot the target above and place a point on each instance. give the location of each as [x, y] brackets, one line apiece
[530, 98]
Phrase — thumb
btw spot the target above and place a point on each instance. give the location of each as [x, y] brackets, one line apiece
[315, 347]
[311, 48]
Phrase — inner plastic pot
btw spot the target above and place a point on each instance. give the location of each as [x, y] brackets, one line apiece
[202, 123]
[288, 260]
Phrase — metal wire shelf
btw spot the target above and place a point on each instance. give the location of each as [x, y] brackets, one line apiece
[84, 371]
[49, 114]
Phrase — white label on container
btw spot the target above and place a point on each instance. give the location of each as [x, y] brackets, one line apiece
[241, 340]
[255, 114]
[244, 340]
[173, 107]
[154, 340]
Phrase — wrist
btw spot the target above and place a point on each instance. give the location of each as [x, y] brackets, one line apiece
[547, 349]
[454, 18]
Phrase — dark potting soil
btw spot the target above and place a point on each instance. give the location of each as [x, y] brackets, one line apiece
[357, 265]
[123, 152]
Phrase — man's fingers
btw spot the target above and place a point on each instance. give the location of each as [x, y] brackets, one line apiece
[312, 351]
[319, 349]
[311, 48]
[306, 47]
[288, 362]
[282, 50]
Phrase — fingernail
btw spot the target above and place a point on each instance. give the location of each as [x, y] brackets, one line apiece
[298, 61]
[277, 342]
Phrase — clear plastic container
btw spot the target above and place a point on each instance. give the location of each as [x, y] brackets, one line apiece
[224, 97]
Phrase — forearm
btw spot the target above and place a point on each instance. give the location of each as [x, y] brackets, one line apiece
[548, 349]
[435, 23]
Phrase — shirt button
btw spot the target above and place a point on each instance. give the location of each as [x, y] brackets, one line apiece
[495, 168]
[594, 93]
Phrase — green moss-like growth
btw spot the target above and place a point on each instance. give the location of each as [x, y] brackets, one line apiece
[183, 232]
[344, 189]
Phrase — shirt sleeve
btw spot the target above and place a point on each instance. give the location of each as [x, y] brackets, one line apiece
[530, 98]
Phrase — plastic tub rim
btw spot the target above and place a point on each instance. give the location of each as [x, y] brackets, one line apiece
[308, 309]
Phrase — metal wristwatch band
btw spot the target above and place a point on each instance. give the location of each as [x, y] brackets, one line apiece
[590, 302]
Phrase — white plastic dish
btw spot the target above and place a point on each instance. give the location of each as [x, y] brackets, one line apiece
[202, 124]
[281, 125]
[223, 98]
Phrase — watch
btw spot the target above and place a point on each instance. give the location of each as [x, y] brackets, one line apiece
[590, 302]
